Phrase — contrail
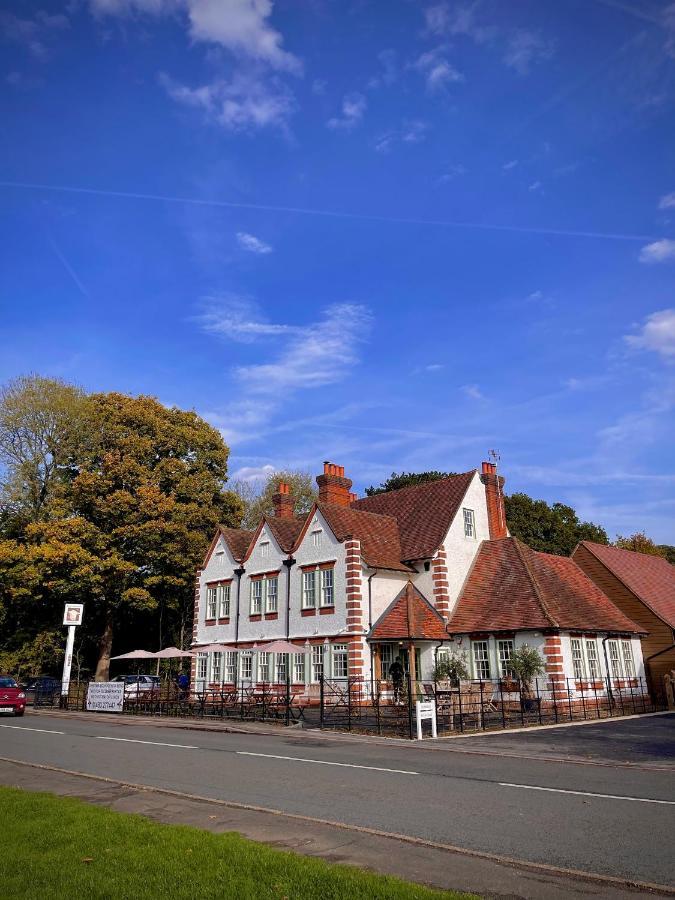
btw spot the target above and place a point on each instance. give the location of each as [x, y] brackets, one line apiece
[333, 214]
[69, 269]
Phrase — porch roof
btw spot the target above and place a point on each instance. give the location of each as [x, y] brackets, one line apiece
[409, 616]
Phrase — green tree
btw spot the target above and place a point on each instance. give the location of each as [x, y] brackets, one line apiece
[640, 543]
[668, 552]
[404, 479]
[552, 529]
[41, 419]
[257, 497]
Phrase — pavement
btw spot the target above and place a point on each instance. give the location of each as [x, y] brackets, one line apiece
[573, 811]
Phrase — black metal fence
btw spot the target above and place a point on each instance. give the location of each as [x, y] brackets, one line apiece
[383, 708]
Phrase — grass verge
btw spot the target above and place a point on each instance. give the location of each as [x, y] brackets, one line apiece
[57, 847]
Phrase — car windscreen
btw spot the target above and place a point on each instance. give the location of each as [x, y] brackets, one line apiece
[7, 683]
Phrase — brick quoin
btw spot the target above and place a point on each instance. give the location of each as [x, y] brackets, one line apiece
[355, 649]
[439, 576]
[553, 659]
[195, 627]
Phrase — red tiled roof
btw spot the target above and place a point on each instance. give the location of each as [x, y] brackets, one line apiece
[285, 531]
[424, 512]
[379, 535]
[650, 578]
[410, 615]
[511, 587]
[237, 539]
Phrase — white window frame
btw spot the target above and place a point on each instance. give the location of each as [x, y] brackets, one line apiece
[265, 549]
[592, 659]
[264, 660]
[387, 657]
[298, 668]
[281, 667]
[211, 602]
[469, 519]
[216, 668]
[615, 660]
[246, 665]
[578, 659]
[340, 660]
[256, 596]
[316, 538]
[224, 594]
[269, 607]
[505, 648]
[309, 589]
[318, 663]
[481, 663]
[201, 669]
[327, 591]
[628, 658]
[230, 666]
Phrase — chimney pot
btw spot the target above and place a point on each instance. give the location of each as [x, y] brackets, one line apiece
[333, 486]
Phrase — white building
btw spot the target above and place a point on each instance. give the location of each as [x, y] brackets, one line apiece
[430, 568]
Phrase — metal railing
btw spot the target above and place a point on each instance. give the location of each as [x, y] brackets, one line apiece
[387, 708]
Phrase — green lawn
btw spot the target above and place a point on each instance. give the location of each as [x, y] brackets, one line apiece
[59, 847]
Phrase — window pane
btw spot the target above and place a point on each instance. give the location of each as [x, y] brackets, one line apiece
[317, 661]
[263, 666]
[202, 661]
[614, 658]
[299, 667]
[210, 603]
[281, 667]
[628, 662]
[481, 659]
[339, 660]
[215, 667]
[230, 668]
[593, 662]
[224, 601]
[326, 587]
[578, 659]
[308, 589]
[247, 666]
[505, 649]
[469, 523]
[272, 594]
[386, 658]
[256, 596]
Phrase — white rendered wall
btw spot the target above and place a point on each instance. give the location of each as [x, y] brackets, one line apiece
[461, 550]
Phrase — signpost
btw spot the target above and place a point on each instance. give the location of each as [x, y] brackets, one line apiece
[105, 696]
[72, 617]
[425, 709]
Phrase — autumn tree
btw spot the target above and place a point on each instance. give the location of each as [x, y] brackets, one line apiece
[640, 543]
[41, 419]
[552, 529]
[257, 497]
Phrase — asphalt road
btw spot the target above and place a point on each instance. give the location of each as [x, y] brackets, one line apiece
[607, 819]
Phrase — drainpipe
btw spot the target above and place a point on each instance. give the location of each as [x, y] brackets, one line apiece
[238, 572]
[288, 563]
[370, 625]
[607, 669]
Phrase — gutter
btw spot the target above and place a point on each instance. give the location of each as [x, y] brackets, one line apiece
[290, 561]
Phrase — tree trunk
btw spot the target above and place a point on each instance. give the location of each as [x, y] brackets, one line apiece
[104, 648]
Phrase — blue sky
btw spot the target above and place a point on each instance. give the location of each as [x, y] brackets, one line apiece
[389, 234]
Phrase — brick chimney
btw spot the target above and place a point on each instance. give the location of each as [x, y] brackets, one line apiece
[284, 504]
[333, 486]
[494, 496]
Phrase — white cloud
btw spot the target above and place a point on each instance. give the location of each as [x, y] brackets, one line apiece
[318, 355]
[472, 391]
[659, 251]
[667, 201]
[461, 20]
[454, 171]
[241, 26]
[389, 73]
[535, 186]
[434, 367]
[410, 133]
[353, 109]
[656, 334]
[436, 69]
[511, 164]
[244, 103]
[525, 48]
[253, 244]
[34, 33]
[238, 319]
[253, 474]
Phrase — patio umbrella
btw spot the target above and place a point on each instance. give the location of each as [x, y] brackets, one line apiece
[282, 647]
[212, 648]
[172, 653]
[136, 654]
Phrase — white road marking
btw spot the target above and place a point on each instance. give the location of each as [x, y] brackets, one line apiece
[26, 728]
[533, 787]
[152, 743]
[323, 762]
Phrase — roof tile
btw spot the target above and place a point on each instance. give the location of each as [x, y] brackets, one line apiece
[409, 616]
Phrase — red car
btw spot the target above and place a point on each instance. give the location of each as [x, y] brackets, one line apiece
[12, 697]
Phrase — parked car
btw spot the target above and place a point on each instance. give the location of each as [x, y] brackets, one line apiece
[136, 685]
[12, 697]
[44, 684]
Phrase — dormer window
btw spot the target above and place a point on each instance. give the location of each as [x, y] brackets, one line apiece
[265, 549]
[469, 523]
[316, 538]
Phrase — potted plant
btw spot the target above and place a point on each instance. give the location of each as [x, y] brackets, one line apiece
[526, 664]
[451, 667]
